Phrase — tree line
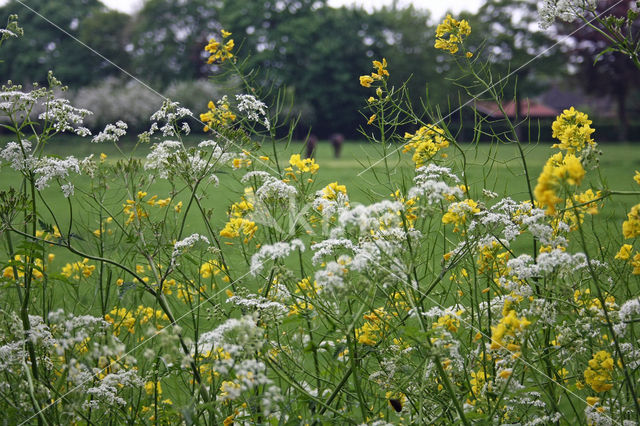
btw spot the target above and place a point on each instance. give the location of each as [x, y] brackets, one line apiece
[311, 52]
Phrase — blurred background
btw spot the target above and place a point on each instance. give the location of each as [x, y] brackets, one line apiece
[311, 52]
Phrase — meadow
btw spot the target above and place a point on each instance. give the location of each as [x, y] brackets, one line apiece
[226, 279]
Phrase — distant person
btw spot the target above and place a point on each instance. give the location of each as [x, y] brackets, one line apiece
[336, 140]
[312, 141]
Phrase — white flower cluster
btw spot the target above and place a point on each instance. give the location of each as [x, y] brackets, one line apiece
[273, 252]
[255, 109]
[372, 217]
[566, 10]
[430, 183]
[331, 278]
[330, 207]
[12, 100]
[49, 168]
[328, 247]
[161, 153]
[236, 336]
[274, 189]
[259, 303]
[628, 310]
[168, 116]
[65, 117]
[186, 243]
[18, 155]
[555, 261]
[111, 133]
[107, 391]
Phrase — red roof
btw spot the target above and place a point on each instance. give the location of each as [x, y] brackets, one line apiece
[528, 108]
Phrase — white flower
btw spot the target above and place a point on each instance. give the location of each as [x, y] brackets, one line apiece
[275, 189]
[111, 132]
[67, 189]
[255, 109]
[431, 184]
[566, 10]
[180, 246]
[20, 158]
[64, 116]
[273, 252]
[49, 168]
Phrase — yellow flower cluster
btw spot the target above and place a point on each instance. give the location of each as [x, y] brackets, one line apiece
[103, 227]
[585, 204]
[556, 172]
[220, 52]
[456, 30]
[371, 331]
[299, 166]
[37, 271]
[239, 226]
[331, 191]
[573, 129]
[598, 374]
[410, 208]
[76, 269]
[504, 334]
[631, 226]
[379, 73]
[210, 268]
[122, 317]
[584, 299]
[218, 115]
[238, 223]
[425, 143]
[458, 213]
[448, 322]
[134, 209]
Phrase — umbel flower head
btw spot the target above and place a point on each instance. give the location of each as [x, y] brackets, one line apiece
[456, 31]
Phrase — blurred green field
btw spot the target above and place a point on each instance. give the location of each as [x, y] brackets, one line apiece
[494, 167]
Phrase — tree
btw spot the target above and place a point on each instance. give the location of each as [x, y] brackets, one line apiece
[47, 48]
[109, 33]
[603, 71]
[168, 39]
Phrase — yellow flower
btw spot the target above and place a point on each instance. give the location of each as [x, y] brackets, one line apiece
[380, 69]
[219, 114]
[425, 143]
[631, 226]
[178, 207]
[331, 191]
[308, 165]
[366, 80]
[637, 177]
[572, 128]
[598, 374]
[218, 51]
[457, 31]
[556, 171]
[371, 119]
[625, 252]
